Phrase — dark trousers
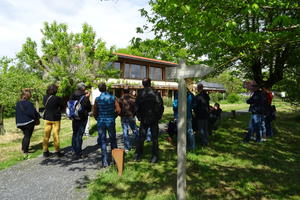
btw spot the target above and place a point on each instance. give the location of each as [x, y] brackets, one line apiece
[78, 131]
[27, 131]
[142, 136]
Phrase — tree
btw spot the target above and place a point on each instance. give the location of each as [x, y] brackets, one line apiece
[12, 80]
[256, 37]
[68, 58]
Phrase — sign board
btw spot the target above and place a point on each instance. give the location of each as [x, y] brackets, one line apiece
[188, 72]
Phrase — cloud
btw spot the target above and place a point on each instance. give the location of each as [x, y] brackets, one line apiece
[114, 21]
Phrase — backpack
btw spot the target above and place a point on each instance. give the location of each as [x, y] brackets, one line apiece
[74, 108]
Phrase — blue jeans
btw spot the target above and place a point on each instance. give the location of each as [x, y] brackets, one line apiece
[268, 123]
[128, 123]
[202, 125]
[256, 125]
[78, 127]
[103, 126]
[148, 139]
[190, 135]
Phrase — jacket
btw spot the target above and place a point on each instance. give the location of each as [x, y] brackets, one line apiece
[127, 105]
[25, 113]
[149, 105]
[201, 105]
[53, 108]
[258, 102]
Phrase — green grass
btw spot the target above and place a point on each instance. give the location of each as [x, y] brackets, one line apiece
[227, 169]
[10, 143]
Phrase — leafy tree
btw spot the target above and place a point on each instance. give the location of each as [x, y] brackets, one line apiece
[68, 58]
[259, 38]
[12, 80]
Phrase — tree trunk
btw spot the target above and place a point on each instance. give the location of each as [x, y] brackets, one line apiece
[2, 130]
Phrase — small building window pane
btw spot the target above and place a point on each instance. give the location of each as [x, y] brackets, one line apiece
[117, 65]
[127, 71]
[155, 73]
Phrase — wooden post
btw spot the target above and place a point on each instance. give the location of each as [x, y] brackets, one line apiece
[181, 73]
[181, 146]
[2, 130]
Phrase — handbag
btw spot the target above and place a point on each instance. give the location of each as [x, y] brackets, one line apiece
[43, 113]
[37, 122]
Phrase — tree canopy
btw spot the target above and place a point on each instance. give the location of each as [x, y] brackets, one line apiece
[68, 58]
[258, 38]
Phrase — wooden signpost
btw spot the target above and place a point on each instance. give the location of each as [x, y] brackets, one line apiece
[181, 73]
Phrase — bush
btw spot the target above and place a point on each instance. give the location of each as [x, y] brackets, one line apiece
[216, 97]
[233, 98]
[168, 102]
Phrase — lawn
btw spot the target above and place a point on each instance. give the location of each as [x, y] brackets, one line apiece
[10, 143]
[227, 169]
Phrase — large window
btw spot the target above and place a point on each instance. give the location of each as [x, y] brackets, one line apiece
[135, 71]
[155, 73]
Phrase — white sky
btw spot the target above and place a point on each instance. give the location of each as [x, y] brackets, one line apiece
[114, 21]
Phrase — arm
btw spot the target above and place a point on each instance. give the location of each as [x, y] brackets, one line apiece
[95, 110]
[117, 107]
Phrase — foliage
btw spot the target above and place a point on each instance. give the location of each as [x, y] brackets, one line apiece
[216, 97]
[257, 38]
[12, 80]
[68, 58]
[233, 98]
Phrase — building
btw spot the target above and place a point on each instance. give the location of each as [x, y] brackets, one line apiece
[134, 68]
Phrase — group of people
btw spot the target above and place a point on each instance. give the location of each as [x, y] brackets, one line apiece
[262, 113]
[147, 107]
[201, 117]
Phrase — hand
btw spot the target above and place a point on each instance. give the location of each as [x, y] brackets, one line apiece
[87, 93]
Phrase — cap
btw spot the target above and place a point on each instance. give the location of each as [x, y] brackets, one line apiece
[81, 86]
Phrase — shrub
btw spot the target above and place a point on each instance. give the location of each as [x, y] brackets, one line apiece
[216, 97]
[233, 98]
[168, 102]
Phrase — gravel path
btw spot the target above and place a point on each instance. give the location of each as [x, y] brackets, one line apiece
[53, 178]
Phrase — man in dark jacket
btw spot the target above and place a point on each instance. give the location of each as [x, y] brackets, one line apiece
[78, 126]
[149, 111]
[258, 103]
[201, 110]
[127, 105]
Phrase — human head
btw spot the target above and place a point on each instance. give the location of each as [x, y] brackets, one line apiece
[26, 94]
[81, 86]
[254, 85]
[102, 87]
[217, 105]
[146, 82]
[126, 90]
[200, 87]
[52, 89]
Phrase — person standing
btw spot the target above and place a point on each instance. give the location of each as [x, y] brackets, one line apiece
[26, 117]
[149, 111]
[105, 110]
[78, 125]
[189, 125]
[127, 105]
[257, 102]
[52, 116]
[201, 110]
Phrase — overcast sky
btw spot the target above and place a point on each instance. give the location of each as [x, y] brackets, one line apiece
[114, 21]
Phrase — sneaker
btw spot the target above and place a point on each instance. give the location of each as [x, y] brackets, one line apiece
[154, 159]
[46, 154]
[76, 156]
[59, 154]
[264, 139]
[137, 158]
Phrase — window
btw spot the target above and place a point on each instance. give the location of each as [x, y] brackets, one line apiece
[155, 73]
[117, 66]
[134, 71]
